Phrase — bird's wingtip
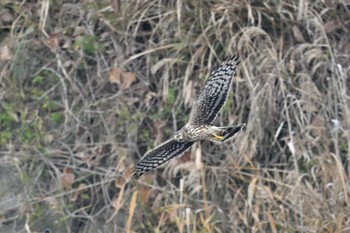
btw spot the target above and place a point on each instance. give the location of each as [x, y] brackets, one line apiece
[234, 59]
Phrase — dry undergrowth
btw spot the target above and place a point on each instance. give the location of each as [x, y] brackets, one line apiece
[87, 87]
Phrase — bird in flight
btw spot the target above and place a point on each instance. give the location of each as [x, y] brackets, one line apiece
[210, 100]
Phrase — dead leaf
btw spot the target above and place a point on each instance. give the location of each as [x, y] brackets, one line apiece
[291, 66]
[119, 182]
[80, 31]
[5, 53]
[157, 130]
[50, 138]
[148, 178]
[53, 41]
[116, 5]
[123, 79]
[6, 17]
[67, 63]
[115, 75]
[129, 79]
[77, 192]
[330, 26]
[128, 174]
[67, 178]
[67, 44]
[144, 194]
[186, 157]
[330, 3]
[52, 202]
[297, 34]
[149, 97]
[85, 158]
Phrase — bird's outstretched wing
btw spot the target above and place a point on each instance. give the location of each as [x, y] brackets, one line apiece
[213, 95]
[160, 155]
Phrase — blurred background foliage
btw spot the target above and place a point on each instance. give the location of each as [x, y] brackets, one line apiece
[87, 87]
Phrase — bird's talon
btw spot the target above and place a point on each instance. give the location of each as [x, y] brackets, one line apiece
[217, 137]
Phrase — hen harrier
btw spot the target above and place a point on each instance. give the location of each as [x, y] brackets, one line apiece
[204, 111]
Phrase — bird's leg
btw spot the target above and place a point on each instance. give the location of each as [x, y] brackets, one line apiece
[217, 137]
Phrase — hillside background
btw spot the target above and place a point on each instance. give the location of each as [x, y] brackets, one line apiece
[87, 87]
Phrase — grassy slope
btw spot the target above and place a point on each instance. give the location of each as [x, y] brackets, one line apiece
[66, 132]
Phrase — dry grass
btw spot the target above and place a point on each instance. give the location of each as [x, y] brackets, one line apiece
[72, 119]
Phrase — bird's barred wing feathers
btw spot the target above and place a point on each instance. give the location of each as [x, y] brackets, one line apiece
[214, 93]
[160, 155]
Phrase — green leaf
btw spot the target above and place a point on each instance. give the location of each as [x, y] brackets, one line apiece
[37, 80]
[56, 117]
[171, 96]
[86, 43]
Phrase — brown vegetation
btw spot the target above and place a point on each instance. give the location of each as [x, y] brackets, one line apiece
[87, 87]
